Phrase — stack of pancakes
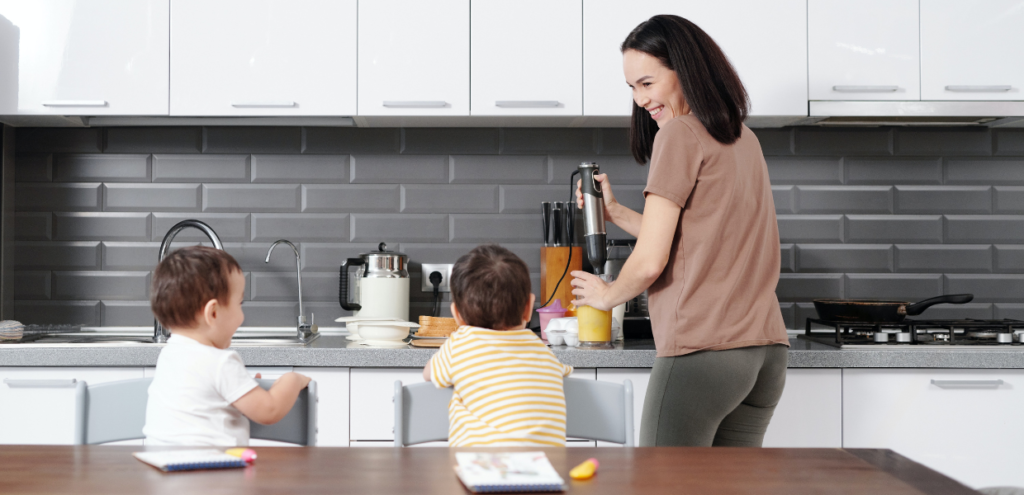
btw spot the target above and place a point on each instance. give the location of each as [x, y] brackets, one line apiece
[432, 326]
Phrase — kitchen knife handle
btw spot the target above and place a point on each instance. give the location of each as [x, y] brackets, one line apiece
[545, 218]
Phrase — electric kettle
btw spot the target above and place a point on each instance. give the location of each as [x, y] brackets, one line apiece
[380, 287]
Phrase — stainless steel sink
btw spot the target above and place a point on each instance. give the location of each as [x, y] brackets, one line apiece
[85, 339]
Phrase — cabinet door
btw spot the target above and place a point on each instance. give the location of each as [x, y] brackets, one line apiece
[372, 406]
[413, 57]
[810, 412]
[961, 423]
[35, 412]
[263, 58]
[863, 50]
[972, 50]
[765, 41]
[83, 57]
[526, 57]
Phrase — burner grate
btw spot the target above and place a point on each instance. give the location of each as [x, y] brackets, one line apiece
[910, 331]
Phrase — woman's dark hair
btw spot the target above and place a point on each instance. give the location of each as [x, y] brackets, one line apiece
[491, 287]
[710, 84]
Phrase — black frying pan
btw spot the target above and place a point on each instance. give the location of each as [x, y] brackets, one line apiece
[880, 311]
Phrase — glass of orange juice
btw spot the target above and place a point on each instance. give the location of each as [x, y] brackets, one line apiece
[595, 326]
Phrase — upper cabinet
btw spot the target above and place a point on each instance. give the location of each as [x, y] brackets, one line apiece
[972, 50]
[526, 57]
[863, 50]
[83, 57]
[765, 41]
[413, 57]
[263, 58]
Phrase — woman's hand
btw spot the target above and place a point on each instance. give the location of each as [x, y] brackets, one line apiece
[606, 191]
[590, 290]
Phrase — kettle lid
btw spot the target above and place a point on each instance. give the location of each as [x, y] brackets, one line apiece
[382, 248]
[385, 264]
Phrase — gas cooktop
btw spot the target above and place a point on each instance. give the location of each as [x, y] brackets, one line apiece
[916, 334]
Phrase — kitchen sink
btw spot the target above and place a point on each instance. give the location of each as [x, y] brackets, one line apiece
[105, 339]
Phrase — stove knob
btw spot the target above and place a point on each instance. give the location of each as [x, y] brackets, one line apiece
[1004, 338]
[881, 337]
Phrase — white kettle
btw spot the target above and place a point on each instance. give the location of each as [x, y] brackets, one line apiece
[380, 287]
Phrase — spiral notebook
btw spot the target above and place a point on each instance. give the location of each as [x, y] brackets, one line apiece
[186, 460]
[507, 472]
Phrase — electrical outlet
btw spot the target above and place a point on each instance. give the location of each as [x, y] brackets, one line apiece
[446, 273]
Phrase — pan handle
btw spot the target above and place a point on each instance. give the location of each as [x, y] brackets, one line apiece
[919, 307]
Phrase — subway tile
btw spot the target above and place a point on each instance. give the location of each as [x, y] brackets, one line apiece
[100, 285]
[895, 286]
[984, 228]
[1003, 171]
[200, 168]
[1009, 142]
[1009, 258]
[892, 171]
[324, 313]
[319, 169]
[449, 199]
[810, 228]
[252, 197]
[126, 313]
[774, 142]
[391, 169]
[57, 255]
[495, 228]
[152, 197]
[871, 258]
[978, 311]
[804, 170]
[843, 199]
[322, 256]
[894, 228]
[986, 288]
[527, 199]
[787, 253]
[483, 169]
[1008, 199]
[270, 313]
[58, 140]
[943, 199]
[36, 226]
[804, 310]
[789, 314]
[450, 140]
[620, 169]
[33, 168]
[58, 197]
[394, 228]
[527, 140]
[135, 256]
[613, 141]
[946, 258]
[450, 253]
[785, 199]
[796, 287]
[334, 140]
[154, 139]
[870, 141]
[631, 197]
[101, 226]
[232, 139]
[106, 168]
[31, 285]
[251, 256]
[282, 286]
[1014, 311]
[229, 227]
[961, 141]
[338, 198]
[305, 226]
[85, 313]
[417, 309]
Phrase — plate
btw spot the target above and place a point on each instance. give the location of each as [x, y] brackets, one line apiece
[428, 337]
[382, 343]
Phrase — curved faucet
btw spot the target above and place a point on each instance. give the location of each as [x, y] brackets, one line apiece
[305, 331]
[160, 333]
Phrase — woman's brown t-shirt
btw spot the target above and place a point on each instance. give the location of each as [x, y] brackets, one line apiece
[718, 290]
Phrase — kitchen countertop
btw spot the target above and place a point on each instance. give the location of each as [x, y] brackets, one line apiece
[336, 351]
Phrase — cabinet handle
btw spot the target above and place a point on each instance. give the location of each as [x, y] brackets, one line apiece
[37, 383]
[979, 89]
[264, 104]
[75, 103]
[967, 383]
[527, 104]
[415, 104]
[866, 89]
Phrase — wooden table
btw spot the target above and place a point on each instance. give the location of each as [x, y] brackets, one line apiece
[108, 469]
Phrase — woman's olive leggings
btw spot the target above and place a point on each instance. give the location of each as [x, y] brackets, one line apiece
[713, 398]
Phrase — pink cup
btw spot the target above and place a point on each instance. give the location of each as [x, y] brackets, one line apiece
[553, 310]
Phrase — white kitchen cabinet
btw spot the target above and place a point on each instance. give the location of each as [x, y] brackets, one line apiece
[263, 58]
[810, 413]
[961, 423]
[413, 57]
[863, 50]
[972, 50]
[33, 411]
[765, 41]
[526, 57]
[83, 57]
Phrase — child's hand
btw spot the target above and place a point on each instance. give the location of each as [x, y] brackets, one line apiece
[258, 376]
[301, 379]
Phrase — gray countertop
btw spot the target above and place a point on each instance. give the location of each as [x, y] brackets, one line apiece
[335, 351]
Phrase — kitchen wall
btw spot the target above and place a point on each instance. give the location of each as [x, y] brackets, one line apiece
[868, 212]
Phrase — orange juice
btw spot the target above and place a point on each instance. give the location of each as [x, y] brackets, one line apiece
[595, 325]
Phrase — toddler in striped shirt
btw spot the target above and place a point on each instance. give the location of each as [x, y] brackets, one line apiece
[508, 384]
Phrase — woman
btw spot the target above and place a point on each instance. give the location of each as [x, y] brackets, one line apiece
[707, 244]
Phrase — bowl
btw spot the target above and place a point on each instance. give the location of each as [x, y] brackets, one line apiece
[378, 331]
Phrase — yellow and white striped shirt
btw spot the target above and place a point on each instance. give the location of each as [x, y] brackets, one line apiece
[508, 388]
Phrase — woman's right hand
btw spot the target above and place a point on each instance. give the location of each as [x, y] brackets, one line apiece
[606, 191]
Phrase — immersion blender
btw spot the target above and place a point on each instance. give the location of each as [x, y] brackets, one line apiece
[594, 325]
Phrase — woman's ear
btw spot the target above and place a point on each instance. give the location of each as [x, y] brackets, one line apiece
[457, 316]
[210, 311]
[528, 310]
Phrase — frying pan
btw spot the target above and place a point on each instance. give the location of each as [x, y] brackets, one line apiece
[880, 311]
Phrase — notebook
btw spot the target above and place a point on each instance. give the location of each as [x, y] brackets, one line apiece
[185, 460]
[507, 472]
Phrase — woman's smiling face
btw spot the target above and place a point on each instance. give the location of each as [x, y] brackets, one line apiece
[655, 87]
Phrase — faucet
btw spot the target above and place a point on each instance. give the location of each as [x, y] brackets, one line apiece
[305, 332]
[160, 333]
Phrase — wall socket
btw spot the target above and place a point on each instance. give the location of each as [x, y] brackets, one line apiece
[446, 273]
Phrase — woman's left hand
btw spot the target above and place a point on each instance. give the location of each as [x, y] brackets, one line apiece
[590, 290]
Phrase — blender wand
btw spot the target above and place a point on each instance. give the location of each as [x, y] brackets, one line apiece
[593, 216]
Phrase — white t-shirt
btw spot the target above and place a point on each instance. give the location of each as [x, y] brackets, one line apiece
[191, 395]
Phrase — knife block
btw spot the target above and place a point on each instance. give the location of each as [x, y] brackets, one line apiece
[552, 265]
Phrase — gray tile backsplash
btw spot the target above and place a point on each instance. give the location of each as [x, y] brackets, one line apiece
[903, 213]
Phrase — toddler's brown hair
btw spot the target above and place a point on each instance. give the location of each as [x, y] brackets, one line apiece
[491, 287]
[186, 280]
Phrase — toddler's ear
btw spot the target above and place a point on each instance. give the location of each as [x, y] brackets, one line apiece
[528, 311]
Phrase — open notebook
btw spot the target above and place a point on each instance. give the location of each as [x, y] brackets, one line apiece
[507, 472]
[185, 460]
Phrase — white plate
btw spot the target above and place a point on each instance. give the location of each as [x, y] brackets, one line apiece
[427, 337]
[383, 343]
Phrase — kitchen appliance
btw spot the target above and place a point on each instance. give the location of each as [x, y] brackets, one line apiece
[594, 235]
[880, 311]
[379, 287]
[911, 334]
